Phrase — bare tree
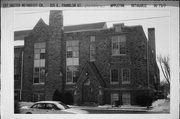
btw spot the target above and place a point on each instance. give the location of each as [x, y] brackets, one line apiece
[165, 67]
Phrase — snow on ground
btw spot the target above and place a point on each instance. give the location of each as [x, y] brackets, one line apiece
[22, 104]
[161, 105]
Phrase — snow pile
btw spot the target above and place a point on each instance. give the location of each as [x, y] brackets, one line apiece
[28, 104]
[105, 106]
[161, 105]
[158, 103]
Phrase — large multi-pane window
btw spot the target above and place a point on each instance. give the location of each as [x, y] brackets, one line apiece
[39, 62]
[92, 49]
[114, 76]
[125, 76]
[72, 61]
[118, 45]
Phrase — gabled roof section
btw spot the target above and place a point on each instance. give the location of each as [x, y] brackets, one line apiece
[92, 68]
[19, 35]
[85, 27]
[40, 23]
[96, 72]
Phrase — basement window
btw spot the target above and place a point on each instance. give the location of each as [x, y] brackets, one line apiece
[114, 98]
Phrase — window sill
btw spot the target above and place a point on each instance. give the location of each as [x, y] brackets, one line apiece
[119, 55]
[38, 83]
[126, 83]
[113, 83]
[70, 83]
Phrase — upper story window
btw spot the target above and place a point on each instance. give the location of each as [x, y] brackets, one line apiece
[72, 54]
[125, 76]
[92, 49]
[118, 45]
[39, 62]
[114, 76]
[72, 61]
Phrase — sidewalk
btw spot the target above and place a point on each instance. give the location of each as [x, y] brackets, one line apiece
[159, 106]
[110, 107]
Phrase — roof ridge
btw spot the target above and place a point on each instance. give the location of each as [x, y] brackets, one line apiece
[86, 24]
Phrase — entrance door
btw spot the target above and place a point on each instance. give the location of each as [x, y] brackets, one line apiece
[126, 98]
[88, 91]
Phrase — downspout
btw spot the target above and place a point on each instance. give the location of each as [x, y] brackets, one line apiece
[21, 74]
[147, 65]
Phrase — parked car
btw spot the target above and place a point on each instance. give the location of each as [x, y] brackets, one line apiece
[51, 107]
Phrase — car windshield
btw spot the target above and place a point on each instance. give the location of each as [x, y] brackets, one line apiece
[64, 105]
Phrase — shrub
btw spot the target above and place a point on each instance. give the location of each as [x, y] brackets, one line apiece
[58, 96]
[144, 100]
[68, 98]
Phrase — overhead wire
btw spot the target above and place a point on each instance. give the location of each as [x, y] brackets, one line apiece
[135, 19]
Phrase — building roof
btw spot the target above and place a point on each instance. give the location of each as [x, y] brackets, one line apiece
[85, 27]
[19, 35]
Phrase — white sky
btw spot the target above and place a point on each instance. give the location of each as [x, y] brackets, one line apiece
[159, 19]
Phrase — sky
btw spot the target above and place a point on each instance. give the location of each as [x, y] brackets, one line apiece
[158, 19]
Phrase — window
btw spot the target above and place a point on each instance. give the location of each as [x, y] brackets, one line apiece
[72, 74]
[125, 76]
[72, 61]
[92, 48]
[38, 97]
[119, 45]
[114, 97]
[114, 76]
[72, 54]
[39, 63]
[126, 98]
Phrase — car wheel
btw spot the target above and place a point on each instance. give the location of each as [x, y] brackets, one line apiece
[28, 113]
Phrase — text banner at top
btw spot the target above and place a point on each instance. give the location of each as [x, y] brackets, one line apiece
[88, 3]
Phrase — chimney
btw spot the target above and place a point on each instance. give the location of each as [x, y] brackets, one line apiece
[56, 18]
[55, 45]
[151, 40]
